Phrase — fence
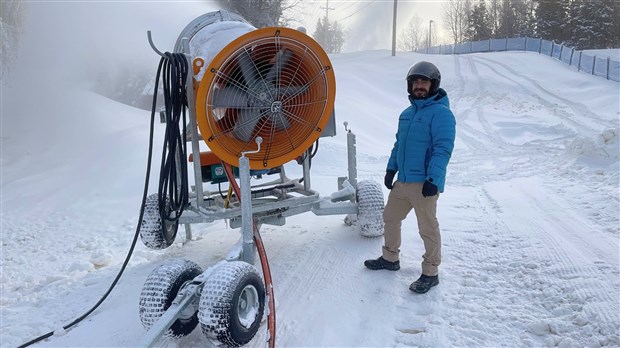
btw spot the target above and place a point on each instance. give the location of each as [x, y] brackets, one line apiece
[598, 66]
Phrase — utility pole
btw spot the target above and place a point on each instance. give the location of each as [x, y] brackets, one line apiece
[430, 26]
[394, 31]
[327, 8]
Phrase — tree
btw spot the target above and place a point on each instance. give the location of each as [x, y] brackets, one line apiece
[493, 15]
[593, 24]
[515, 18]
[552, 20]
[479, 23]
[456, 18]
[411, 39]
[260, 13]
[329, 35]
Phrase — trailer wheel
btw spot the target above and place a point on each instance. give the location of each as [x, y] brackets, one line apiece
[160, 289]
[370, 208]
[232, 304]
[151, 231]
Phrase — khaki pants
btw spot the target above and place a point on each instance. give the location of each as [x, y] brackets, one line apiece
[404, 197]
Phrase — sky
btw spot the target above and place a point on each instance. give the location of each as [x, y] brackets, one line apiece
[529, 219]
[368, 24]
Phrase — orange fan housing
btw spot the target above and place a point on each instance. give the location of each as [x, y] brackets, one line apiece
[276, 83]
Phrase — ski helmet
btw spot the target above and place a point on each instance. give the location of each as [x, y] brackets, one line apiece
[424, 70]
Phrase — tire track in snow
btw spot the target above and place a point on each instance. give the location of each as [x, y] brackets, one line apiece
[508, 273]
[486, 149]
[577, 109]
[571, 274]
[321, 258]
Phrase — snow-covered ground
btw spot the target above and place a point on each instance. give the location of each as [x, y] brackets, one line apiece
[529, 218]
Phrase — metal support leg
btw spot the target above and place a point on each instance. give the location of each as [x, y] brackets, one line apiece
[352, 158]
[246, 211]
[306, 168]
[188, 233]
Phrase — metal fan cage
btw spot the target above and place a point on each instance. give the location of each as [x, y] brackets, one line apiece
[276, 83]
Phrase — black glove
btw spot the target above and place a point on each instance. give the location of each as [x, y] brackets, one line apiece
[429, 189]
[389, 179]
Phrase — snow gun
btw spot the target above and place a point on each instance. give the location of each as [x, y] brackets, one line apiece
[256, 99]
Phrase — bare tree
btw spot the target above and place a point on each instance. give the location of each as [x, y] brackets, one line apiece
[456, 18]
[411, 38]
[261, 13]
[494, 16]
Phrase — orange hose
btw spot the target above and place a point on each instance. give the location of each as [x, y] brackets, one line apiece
[271, 317]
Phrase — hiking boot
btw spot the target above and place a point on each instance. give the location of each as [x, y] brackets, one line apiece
[424, 283]
[382, 263]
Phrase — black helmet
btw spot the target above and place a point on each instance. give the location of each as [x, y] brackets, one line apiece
[426, 70]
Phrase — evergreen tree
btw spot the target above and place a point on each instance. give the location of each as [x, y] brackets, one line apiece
[524, 17]
[479, 23]
[552, 20]
[493, 15]
[506, 20]
[593, 24]
[615, 41]
[329, 35]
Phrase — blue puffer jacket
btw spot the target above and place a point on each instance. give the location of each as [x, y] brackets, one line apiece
[424, 141]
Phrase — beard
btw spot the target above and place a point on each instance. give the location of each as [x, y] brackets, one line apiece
[419, 93]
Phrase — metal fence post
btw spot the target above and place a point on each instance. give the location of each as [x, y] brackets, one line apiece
[539, 45]
[608, 68]
[552, 46]
[561, 51]
[579, 63]
[572, 50]
[593, 65]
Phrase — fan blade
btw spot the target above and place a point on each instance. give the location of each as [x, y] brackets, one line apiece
[230, 97]
[282, 58]
[246, 122]
[292, 91]
[247, 68]
[280, 121]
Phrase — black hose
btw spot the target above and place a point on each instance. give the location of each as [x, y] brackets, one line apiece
[135, 237]
[173, 191]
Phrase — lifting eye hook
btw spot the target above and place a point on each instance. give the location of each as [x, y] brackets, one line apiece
[148, 34]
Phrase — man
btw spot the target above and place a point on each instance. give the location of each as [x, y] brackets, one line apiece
[424, 143]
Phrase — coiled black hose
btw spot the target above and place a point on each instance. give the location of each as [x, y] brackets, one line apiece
[175, 68]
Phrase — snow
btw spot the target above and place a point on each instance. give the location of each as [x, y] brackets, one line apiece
[529, 218]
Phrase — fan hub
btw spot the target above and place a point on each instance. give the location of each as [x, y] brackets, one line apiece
[276, 106]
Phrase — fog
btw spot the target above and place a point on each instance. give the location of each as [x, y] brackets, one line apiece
[89, 45]
[103, 46]
[368, 24]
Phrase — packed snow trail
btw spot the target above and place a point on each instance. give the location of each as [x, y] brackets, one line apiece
[529, 220]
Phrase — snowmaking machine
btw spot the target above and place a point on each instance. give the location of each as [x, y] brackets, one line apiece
[239, 103]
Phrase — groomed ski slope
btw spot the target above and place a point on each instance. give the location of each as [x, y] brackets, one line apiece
[529, 218]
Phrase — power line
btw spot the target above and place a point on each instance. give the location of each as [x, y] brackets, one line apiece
[327, 8]
[368, 4]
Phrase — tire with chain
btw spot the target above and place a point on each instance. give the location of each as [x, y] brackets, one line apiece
[160, 289]
[232, 304]
[151, 231]
[370, 207]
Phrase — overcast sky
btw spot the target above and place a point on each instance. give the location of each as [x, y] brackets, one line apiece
[368, 24]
